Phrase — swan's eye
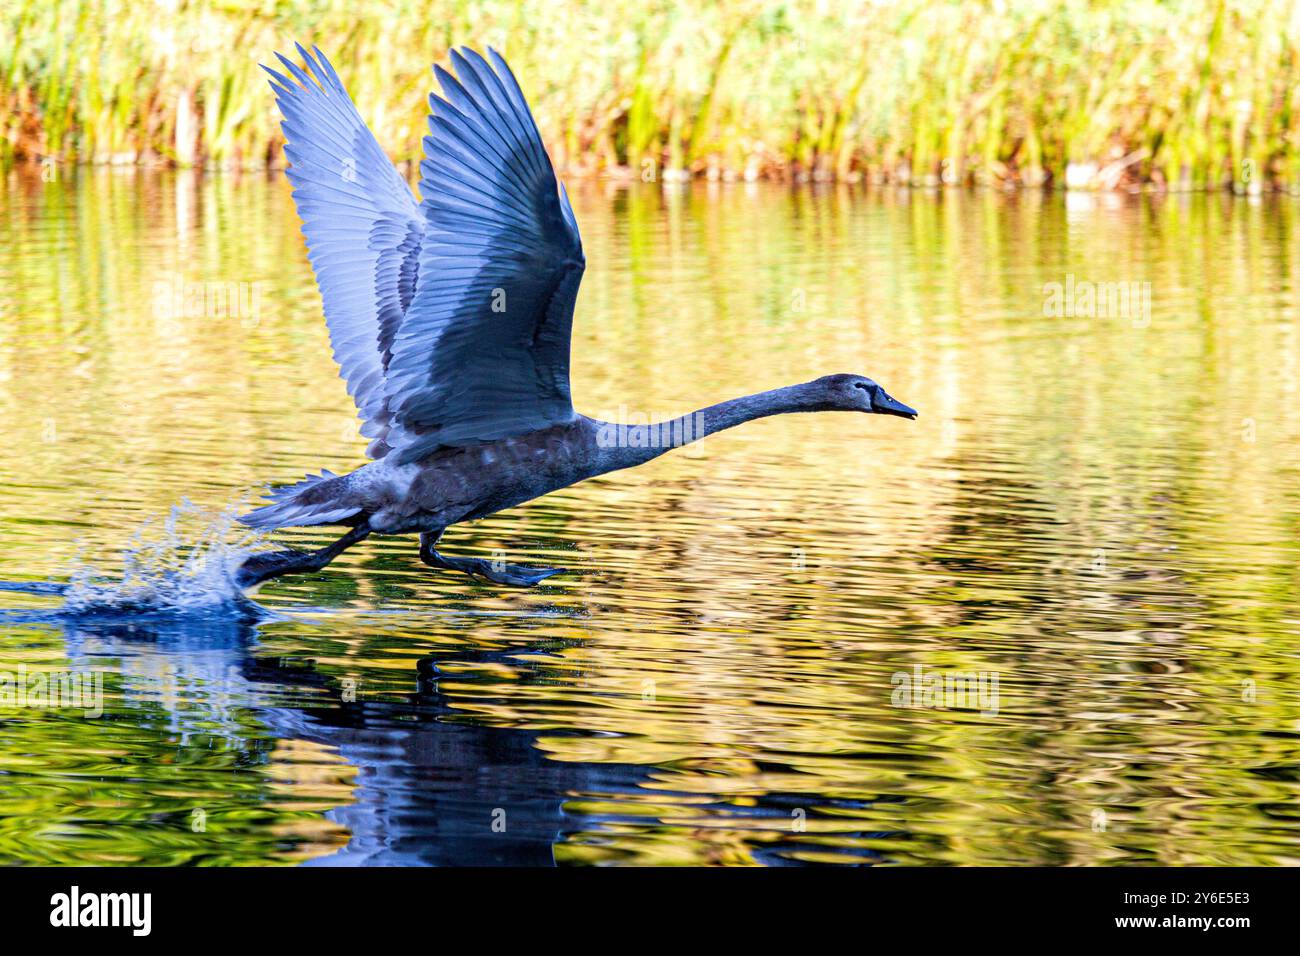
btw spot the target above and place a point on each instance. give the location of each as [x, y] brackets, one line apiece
[862, 385]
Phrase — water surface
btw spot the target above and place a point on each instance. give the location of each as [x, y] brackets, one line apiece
[1099, 511]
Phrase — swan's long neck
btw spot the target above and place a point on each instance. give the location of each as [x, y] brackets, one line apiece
[625, 446]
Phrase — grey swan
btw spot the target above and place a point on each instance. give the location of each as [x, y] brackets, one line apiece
[450, 320]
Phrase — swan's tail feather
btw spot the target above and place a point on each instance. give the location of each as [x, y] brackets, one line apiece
[317, 499]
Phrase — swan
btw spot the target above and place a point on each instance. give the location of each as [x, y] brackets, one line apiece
[450, 320]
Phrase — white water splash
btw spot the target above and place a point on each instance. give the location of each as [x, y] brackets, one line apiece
[186, 562]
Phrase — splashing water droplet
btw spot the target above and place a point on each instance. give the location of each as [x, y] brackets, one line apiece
[185, 563]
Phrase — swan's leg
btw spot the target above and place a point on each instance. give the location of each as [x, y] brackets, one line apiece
[517, 574]
[272, 564]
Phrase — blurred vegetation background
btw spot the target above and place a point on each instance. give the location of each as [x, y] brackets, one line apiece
[1180, 94]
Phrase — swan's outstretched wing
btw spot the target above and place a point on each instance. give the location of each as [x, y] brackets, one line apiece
[483, 351]
[361, 221]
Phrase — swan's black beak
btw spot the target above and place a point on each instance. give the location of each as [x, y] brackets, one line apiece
[883, 404]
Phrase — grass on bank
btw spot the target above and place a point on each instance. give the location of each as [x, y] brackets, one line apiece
[1180, 93]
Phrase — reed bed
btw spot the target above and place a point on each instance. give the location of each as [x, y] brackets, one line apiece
[1177, 94]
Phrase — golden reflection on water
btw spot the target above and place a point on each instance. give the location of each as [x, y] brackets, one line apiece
[1100, 511]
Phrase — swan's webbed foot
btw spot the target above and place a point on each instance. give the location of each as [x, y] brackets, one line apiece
[261, 566]
[516, 575]
[272, 564]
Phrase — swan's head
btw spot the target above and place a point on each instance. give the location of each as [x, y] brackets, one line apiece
[855, 393]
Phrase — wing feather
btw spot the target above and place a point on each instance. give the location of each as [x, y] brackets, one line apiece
[450, 319]
[483, 351]
[362, 224]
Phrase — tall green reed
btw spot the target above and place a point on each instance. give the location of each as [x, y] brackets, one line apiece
[1099, 93]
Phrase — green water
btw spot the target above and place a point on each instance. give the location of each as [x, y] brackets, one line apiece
[1097, 509]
